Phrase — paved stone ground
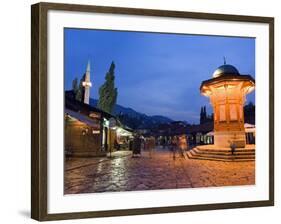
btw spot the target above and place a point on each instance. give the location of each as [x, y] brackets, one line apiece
[159, 171]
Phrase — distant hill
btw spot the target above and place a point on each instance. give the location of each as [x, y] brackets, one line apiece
[134, 119]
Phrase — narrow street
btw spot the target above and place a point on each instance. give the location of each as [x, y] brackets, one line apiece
[151, 172]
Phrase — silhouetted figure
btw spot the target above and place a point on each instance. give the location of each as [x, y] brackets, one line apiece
[174, 146]
[137, 146]
[232, 147]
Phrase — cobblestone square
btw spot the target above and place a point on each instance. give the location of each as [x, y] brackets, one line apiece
[152, 172]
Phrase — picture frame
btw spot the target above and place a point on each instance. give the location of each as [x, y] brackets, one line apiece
[40, 156]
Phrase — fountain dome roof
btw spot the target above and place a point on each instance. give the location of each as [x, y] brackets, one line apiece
[225, 69]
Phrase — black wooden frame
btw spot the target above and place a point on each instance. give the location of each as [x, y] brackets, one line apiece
[39, 110]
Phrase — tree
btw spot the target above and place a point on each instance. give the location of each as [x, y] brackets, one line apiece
[79, 95]
[75, 86]
[108, 92]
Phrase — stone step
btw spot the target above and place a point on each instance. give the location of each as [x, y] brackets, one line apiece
[222, 160]
[226, 158]
[223, 152]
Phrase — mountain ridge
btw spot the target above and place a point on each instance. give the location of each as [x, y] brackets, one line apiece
[134, 119]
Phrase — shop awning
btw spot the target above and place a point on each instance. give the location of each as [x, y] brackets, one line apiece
[83, 118]
[123, 132]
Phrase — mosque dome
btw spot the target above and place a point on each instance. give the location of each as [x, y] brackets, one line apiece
[225, 69]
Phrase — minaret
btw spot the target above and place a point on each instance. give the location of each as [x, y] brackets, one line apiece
[201, 116]
[205, 114]
[87, 84]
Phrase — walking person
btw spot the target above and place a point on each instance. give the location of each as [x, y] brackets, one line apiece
[151, 146]
[137, 146]
[174, 146]
[182, 145]
[232, 147]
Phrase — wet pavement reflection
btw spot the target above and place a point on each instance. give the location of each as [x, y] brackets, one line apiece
[159, 171]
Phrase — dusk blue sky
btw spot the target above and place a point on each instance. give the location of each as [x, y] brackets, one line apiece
[156, 74]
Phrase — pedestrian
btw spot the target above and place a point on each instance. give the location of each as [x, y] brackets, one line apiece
[174, 146]
[187, 143]
[233, 147]
[182, 145]
[164, 143]
[151, 146]
[137, 146]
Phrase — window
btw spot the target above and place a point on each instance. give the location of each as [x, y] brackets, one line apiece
[222, 113]
[233, 112]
